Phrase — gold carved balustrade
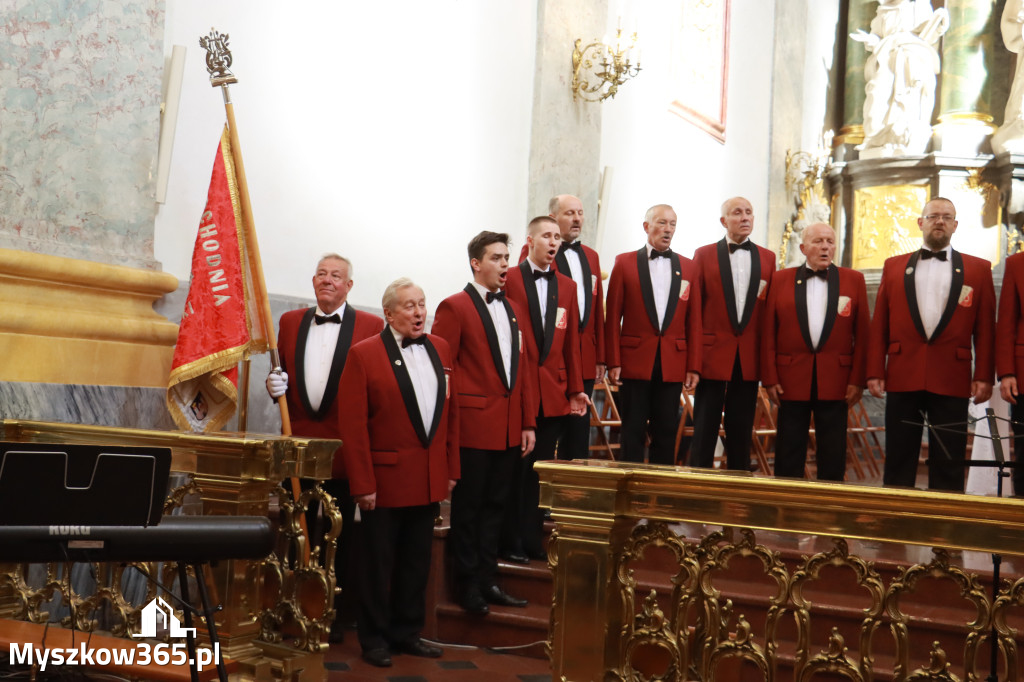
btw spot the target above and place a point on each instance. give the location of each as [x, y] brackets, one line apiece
[618, 616]
[275, 611]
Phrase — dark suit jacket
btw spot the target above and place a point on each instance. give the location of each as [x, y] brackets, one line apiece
[556, 344]
[386, 447]
[492, 414]
[632, 335]
[724, 334]
[592, 323]
[898, 350]
[1010, 328]
[838, 361]
[293, 330]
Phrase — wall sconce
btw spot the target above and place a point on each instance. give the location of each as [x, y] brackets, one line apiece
[611, 66]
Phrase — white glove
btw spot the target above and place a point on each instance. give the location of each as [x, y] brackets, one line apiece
[277, 384]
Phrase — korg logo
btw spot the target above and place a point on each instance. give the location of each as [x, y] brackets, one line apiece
[70, 530]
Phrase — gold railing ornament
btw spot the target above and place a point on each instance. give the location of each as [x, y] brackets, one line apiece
[708, 604]
[805, 184]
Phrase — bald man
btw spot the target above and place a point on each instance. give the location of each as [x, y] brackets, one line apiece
[815, 338]
[734, 278]
[933, 306]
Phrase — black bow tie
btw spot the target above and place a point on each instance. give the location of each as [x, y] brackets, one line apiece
[660, 254]
[495, 296]
[324, 319]
[926, 254]
[418, 341]
[745, 245]
[817, 273]
[549, 275]
[575, 246]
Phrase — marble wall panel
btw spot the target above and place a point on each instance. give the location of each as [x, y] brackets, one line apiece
[80, 103]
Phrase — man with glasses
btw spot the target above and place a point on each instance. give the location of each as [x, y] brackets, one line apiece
[934, 306]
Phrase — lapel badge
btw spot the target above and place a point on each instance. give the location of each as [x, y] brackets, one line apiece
[910, 270]
[678, 274]
[799, 281]
[958, 270]
[398, 362]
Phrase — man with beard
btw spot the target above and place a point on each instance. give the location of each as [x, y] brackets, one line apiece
[933, 305]
[497, 417]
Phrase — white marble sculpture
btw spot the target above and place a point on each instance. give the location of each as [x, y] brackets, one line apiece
[1010, 137]
[900, 74]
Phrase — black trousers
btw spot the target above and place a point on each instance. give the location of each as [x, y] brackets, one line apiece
[393, 569]
[903, 439]
[575, 441]
[523, 529]
[794, 423]
[739, 400]
[654, 402]
[1017, 423]
[478, 505]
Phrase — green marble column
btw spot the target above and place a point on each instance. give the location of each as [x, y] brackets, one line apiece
[859, 16]
[968, 58]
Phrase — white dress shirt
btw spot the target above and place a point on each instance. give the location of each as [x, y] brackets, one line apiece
[661, 282]
[502, 326]
[573, 259]
[424, 379]
[817, 302]
[542, 291]
[320, 345]
[739, 263]
[932, 279]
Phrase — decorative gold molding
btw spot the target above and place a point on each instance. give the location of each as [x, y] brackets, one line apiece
[885, 222]
[72, 321]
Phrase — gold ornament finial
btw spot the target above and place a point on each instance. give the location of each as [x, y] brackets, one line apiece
[218, 58]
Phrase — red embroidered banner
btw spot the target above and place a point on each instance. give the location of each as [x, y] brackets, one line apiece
[218, 328]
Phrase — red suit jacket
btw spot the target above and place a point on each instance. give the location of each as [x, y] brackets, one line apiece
[898, 350]
[788, 356]
[1010, 328]
[724, 334]
[492, 414]
[633, 344]
[386, 447]
[559, 373]
[592, 324]
[293, 330]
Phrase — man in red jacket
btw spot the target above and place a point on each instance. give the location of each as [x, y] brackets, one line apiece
[313, 345]
[814, 349]
[551, 327]
[1010, 360]
[400, 435]
[932, 306]
[583, 266]
[653, 337]
[734, 277]
[497, 416]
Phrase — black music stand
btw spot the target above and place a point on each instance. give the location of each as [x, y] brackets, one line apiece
[45, 484]
[1002, 465]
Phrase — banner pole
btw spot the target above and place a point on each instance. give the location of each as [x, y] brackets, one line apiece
[218, 61]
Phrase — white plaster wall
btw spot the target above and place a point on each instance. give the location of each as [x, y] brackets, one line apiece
[659, 157]
[390, 132]
[822, 25]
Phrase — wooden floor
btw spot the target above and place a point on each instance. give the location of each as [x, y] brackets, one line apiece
[458, 663]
